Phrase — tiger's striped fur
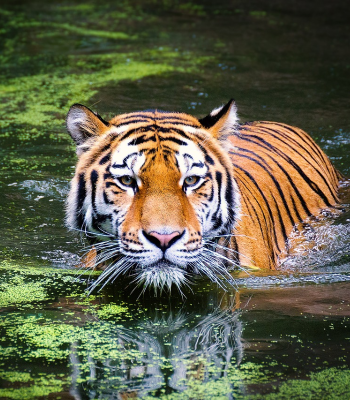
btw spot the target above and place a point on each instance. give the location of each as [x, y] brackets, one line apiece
[163, 195]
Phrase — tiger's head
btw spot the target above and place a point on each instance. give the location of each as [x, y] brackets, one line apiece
[153, 190]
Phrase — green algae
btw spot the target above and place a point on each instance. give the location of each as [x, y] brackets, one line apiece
[33, 386]
[42, 93]
[45, 271]
[25, 285]
[111, 310]
[218, 390]
[40, 97]
[94, 335]
[18, 291]
[42, 338]
[330, 384]
[12, 376]
[62, 28]
[46, 97]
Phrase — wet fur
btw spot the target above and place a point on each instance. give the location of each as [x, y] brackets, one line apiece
[257, 180]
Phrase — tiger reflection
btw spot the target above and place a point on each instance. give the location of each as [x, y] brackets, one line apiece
[176, 349]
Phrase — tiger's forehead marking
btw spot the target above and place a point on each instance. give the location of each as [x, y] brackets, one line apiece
[190, 157]
[156, 117]
[126, 160]
[145, 134]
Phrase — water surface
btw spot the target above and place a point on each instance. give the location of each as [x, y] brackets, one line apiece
[280, 335]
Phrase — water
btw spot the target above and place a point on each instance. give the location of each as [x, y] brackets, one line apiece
[280, 335]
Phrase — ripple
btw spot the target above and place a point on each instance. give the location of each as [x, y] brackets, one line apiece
[51, 188]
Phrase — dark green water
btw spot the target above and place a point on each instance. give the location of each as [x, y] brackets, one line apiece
[281, 336]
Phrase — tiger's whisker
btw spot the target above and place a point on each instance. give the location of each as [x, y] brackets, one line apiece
[86, 232]
[230, 251]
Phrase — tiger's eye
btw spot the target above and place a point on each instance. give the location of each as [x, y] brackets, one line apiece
[127, 180]
[191, 180]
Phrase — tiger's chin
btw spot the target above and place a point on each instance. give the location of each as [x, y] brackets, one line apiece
[161, 275]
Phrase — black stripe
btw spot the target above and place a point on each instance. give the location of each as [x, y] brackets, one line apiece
[198, 164]
[109, 184]
[142, 139]
[137, 114]
[218, 221]
[167, 116]
[153, 128]
[317, 149]
[180, 120]
[296, 210]
[125, 135]
[173, 139]
[105, 159]
[310, 143]
[265, 200]
[98, 154]
[247, 200]
[124, 165]
[208, 159]
[80, 200]
[210, 178]
[105, 198]
[268, 171]
[134, 121]
[283, 228]
[229, 197]
[307, 151]
[97, 218]
[264, 144]
[94, 178]
[268, 226]
[171, 130]
[211, 195]
[170, 121]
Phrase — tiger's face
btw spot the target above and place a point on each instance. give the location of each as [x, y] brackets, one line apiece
[151, 189]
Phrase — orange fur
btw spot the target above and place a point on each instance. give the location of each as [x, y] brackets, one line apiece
[257, 242]
[281, 176]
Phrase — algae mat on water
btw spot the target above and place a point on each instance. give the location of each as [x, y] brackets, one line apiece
[47, 84]
[55, 340]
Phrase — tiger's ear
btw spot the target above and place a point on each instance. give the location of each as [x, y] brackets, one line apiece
[84, 125]
[222, 120]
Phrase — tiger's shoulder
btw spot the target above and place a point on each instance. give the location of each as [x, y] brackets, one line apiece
[283, 177]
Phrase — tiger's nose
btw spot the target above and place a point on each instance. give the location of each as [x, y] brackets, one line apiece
[163, 241]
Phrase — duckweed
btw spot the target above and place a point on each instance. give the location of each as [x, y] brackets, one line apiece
[18, 291]
[111, 310]
[32, 386]
[330, 384]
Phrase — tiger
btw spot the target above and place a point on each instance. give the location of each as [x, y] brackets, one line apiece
[165, 196]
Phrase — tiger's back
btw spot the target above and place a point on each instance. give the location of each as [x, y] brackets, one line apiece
[283, 177]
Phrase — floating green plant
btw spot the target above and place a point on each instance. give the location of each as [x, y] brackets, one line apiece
[17, 291]
[32, 386]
